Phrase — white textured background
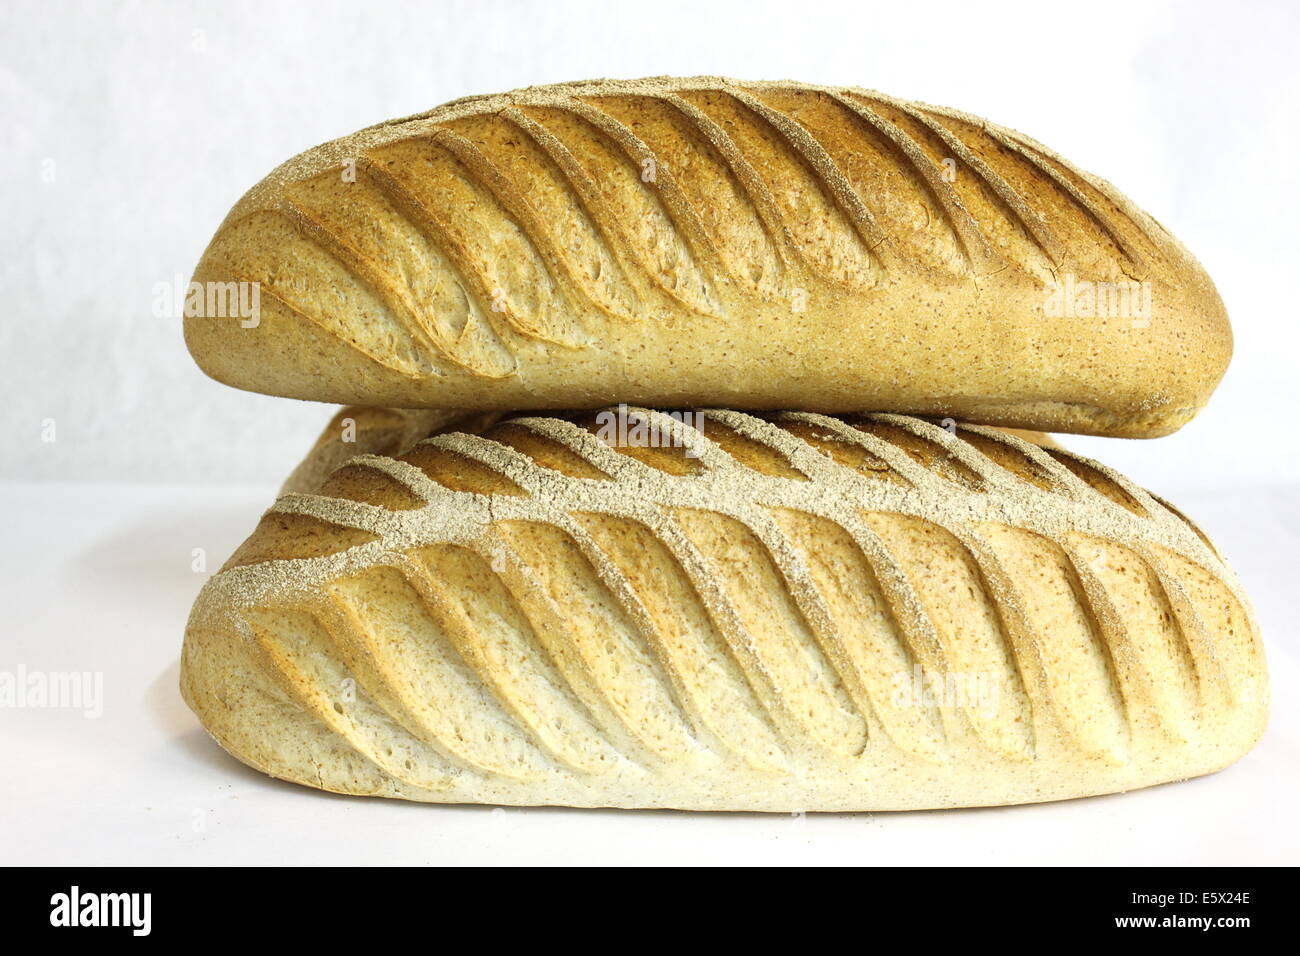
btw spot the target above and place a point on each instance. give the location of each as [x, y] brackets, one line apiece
[157, 116]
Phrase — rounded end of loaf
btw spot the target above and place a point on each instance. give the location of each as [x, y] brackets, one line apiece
[226, 683]
[274, 349]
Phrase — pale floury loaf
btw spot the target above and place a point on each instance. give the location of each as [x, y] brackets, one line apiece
[679, 242]
[787, 612]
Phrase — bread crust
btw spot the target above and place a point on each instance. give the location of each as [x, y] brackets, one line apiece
[795, 612]
[360, 430]
[679, 242]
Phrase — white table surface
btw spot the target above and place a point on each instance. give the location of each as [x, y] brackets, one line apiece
[98, 578]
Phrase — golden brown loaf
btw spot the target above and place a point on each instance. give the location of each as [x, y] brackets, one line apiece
[790, 612]
[679, 242]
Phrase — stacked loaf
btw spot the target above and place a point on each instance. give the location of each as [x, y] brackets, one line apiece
[733, 510]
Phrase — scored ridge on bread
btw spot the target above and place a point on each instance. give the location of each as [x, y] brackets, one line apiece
[826, 248]
[361, 430]
[785, 612]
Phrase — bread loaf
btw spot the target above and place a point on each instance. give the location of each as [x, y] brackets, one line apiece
[727, 612]
[679, 242]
